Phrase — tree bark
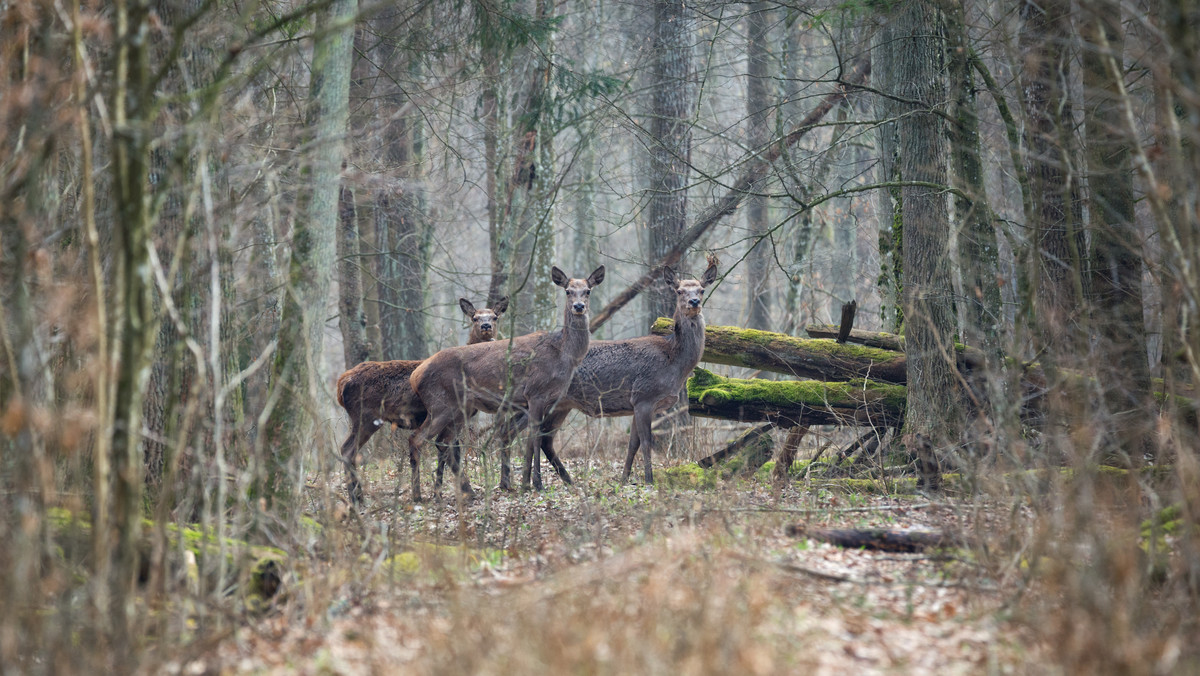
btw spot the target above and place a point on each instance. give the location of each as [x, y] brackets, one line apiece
[977, 245]
[933, 408]
[758, 104]
[885, 53]
[352, 320]
[1054, 180]
[670, 140]
[134, 322]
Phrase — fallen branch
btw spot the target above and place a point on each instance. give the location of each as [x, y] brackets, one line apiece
[880, 540]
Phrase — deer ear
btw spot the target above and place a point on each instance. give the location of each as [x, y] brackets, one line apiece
[710, 275]
[560, 278]
[596, 277]
[467, 308]
[500, 306]
[669, 278]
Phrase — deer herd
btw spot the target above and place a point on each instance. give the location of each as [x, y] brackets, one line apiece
[529, 382]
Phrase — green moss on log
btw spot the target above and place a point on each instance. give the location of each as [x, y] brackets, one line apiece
[794, 402]
[262, 566]
[820, 359]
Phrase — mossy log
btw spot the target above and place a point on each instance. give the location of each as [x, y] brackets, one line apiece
[968, 357]
[819, 359]
[788, 403]
[257, 571]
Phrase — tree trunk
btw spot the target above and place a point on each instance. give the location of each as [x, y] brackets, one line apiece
[1116, 256]
[402, 227]
[297, 370]
[758, 104]
[885, 56]
[1054, 181]
[352, 320]
[933, 405]
[670, 141]
[977, 246]
[134, 321]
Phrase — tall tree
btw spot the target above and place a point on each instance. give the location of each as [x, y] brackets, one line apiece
[758, 107]
[1116, 255]
[1058, 241]
[402, 227]
[977, 245]
[134, 322]
[884, 58]
[296, 372]
[352, 318]
[670, 140]
[932, 409]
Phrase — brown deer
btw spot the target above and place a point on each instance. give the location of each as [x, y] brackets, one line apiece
[638, 377]
[530, 371]
[378, 392]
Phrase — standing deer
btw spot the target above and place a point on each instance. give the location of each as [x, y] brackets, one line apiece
[638, 376]
[378, 392]
[530, 371]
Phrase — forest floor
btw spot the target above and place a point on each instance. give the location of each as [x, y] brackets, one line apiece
[608, 578]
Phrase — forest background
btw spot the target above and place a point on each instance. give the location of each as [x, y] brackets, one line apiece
[210, 209]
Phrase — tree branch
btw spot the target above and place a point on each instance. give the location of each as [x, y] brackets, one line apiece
[858, 73]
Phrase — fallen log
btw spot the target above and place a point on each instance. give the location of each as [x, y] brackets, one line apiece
[818, 359]
[788, 403]
[968, 357]
[880, 540]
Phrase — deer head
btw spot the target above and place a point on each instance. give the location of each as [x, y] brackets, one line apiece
[485, 321]
[689, 293]
[578, 290]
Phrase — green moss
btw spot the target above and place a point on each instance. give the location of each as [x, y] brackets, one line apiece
[766, 473]
[709, 388]
[688, 477]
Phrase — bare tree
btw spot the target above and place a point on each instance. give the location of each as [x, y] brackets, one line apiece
[297, 372]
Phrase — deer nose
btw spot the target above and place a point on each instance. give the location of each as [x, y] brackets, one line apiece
[694, 302]
[485, 327]
[579, 307]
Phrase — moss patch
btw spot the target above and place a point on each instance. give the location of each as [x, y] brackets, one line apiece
[689, 476]
[708, 388]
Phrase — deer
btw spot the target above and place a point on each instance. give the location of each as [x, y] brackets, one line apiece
[531, 372]
[378, 392]
[638, 376]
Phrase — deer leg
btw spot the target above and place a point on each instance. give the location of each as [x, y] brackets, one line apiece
[448, 440]
[642, 417]
[506, 434]
[432, 427]
[532, 448]
[359, 435]
[631, 452]
[549, 429]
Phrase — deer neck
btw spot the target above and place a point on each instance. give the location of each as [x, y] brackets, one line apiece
[688, 343]
[575, 334]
